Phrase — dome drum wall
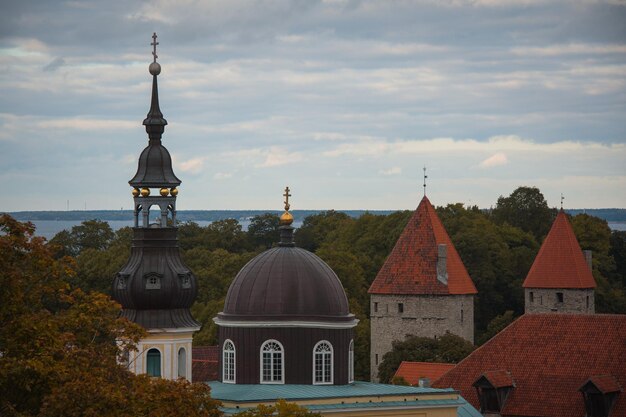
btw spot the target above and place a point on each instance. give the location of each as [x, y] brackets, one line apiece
[298, 344]
[155, 279]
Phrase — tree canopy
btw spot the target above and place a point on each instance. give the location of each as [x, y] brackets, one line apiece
[448, 348]
[60, 346]
[497, 247]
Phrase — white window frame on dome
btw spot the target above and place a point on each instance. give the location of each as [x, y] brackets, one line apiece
[351, 362]
[323, 350]
[272, 354]
[228, 361]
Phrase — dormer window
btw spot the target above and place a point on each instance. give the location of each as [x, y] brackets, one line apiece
[599, 394]
[493, 389]
[153, 282]
[121, 281]
[185, 280]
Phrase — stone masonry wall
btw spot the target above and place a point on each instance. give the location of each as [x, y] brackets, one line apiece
[545, 300]
[422, 315]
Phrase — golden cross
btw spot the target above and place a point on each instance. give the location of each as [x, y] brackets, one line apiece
[287, 195]
[154, 45]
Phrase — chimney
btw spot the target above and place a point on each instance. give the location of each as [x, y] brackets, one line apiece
[442, 256]
[424, 382]
[588, 259]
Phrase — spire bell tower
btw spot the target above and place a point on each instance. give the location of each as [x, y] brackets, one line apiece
[155, 287]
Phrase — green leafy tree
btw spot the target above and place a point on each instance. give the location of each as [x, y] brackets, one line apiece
[527, 209]
[449, 348]
[263, 230]
[90, 234]
[618, 252]
[496, 325]
[316, 228]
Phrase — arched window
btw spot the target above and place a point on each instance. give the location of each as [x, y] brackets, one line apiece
[323, 363]
[272, 363]
[182, 363]
[351, 362]
[153, 362]
[228, 362]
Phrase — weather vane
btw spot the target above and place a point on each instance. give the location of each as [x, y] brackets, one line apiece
[425, 176]
[287, 195]
[154, 45]
[562, 198]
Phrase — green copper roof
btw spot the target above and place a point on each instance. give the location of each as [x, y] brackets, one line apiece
[289, 392]
[464, 408]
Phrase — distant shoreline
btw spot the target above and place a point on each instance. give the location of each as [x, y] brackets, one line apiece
[608, 214]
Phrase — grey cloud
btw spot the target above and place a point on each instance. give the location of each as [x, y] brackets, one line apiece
[54, 65]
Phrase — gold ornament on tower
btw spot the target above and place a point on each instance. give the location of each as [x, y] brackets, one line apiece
[286, 218]
[145, 192]
[135, 192]
[174, 191]
[164, 192]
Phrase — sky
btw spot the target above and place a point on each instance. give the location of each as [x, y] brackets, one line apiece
[344, 101]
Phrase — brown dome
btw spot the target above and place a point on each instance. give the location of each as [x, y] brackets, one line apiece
[286, 284]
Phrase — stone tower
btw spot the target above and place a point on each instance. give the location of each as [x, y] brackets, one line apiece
[560, 279]
[423, 288]
[155, 288]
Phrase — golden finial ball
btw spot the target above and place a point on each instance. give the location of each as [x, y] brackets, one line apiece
[135, 192]
[174, 191]
[164, 192]
[145, 192]
[286, 219]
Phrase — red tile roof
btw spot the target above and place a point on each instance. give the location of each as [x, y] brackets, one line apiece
[210, 353]
[499, 379]
[549, 356]
[204, 365]
[560, 262]
[413, 371]
[411, 268]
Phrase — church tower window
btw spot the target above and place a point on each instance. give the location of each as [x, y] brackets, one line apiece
[228, 362]
[272, 363]
[323, 363]
[182, 363]
[153, 363]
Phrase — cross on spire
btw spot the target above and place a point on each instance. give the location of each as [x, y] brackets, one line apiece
[287, 195]
[154, 45]
[425, 176]
[562, 198]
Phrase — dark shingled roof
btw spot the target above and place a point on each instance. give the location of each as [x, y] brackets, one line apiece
[549, 357]
[560, 262]
[286, 283]
[411, 268]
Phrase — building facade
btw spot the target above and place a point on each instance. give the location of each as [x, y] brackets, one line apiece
[423, 288]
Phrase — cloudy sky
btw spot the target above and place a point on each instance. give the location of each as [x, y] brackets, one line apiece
[343, 100]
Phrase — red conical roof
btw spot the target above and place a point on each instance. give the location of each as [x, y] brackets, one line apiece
[411, 268]
[560, 262]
